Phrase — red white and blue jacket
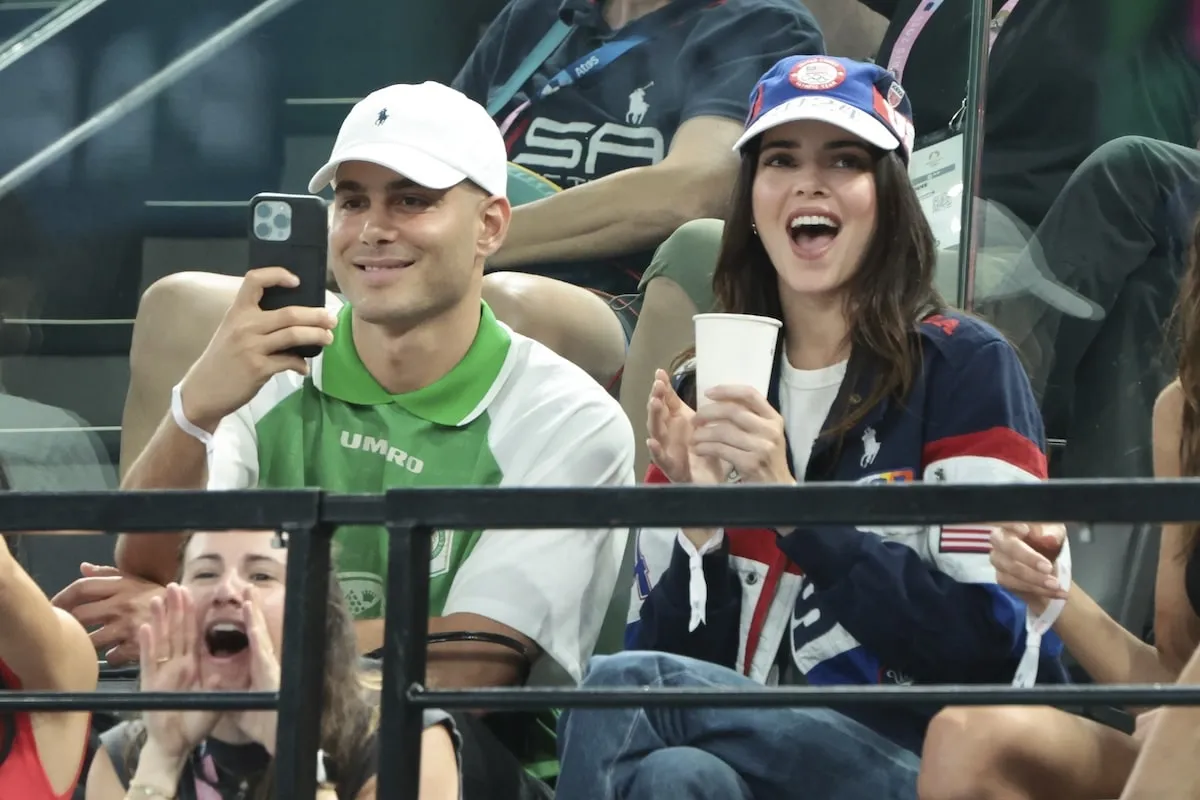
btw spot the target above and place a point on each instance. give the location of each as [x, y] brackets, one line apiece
[860, 605]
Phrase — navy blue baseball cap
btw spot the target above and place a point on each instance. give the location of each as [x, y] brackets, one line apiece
[861, 98]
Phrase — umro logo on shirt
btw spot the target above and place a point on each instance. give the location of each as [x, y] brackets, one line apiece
[369, 444]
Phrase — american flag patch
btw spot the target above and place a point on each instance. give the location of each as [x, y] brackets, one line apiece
[965, 540]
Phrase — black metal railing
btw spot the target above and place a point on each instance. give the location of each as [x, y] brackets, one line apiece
[310, 518]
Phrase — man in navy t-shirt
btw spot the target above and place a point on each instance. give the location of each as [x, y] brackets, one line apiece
[640, 143]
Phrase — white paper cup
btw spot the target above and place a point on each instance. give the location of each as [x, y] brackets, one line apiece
[734, 349]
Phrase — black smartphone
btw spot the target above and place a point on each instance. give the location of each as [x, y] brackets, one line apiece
[291, 231]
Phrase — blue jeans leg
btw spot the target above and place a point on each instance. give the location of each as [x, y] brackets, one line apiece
[777, 753]
[685, 772]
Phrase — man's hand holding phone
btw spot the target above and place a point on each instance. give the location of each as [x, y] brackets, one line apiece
[250, 347]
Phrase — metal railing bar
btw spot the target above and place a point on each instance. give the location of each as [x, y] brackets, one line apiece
[807, 696]
[1135, 501]
[302, 665]
[137, 701]
[145, 91]
[43, 29]
[30, 5]
[321, 101]
[537, 699]
[406, 627]
[355, 509]
[196, 203]
[136, 512]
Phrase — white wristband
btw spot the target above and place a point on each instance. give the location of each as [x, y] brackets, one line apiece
[185, 424]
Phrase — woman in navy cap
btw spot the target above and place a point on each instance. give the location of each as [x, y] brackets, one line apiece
[875, 381]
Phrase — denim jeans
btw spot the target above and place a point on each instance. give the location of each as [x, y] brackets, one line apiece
[719, 754]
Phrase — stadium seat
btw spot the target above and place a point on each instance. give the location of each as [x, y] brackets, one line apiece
[1115, 564]
[612, 634]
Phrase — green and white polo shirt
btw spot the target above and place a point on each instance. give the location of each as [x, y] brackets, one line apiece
[511, 413]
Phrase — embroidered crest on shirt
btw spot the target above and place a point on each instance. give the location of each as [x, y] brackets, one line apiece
[439, 553]
[363, 591]
[870, 448]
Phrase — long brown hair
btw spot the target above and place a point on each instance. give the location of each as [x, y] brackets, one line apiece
[347, 718]
[1186, 325]
[891, 290]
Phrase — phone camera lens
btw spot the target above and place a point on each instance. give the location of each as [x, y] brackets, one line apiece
[263, 210]
[263, 230]
[281, 221]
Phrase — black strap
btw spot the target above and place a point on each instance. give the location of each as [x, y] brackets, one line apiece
[481, 636]
[485, 637]
[469, 636]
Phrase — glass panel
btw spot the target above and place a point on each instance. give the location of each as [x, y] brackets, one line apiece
[1088, 199]
[164, 188]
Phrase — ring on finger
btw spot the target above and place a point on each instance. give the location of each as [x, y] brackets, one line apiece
[162, 660]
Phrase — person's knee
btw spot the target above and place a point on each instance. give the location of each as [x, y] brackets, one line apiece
[1122, 148]
[198, 297]
[966, 751]
[629, 668]
[570, 320]
[684, 772]
[513, 297]
[691, 236]
[688, 258]
[528, 304]
[1126, 158]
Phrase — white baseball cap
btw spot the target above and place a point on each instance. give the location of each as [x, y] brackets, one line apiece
[431, 134]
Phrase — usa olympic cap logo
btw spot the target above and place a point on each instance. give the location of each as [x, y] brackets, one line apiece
[861, 98]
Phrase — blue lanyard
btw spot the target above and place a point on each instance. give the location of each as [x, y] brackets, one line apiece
[591, 63]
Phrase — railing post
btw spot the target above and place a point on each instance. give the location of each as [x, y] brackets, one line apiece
[973, 130]
[302, 665]
[43, 29]
[144, 92]
[406, 626]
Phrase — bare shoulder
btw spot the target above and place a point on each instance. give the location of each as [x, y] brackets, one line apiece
[1168, 413]
[1170, 400]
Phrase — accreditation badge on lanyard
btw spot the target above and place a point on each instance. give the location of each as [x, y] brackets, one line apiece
[936, 169]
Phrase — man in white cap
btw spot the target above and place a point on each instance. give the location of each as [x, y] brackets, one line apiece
[417, 385]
